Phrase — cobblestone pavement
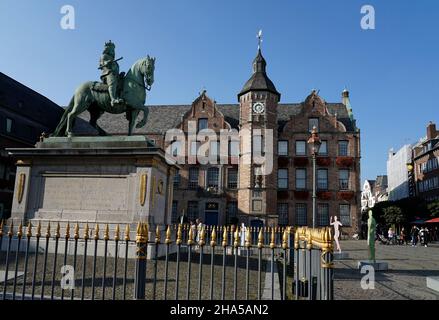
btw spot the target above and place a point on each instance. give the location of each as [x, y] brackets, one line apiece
[406, 278]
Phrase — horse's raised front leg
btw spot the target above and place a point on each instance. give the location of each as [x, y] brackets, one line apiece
[145, 117]
[132, 119]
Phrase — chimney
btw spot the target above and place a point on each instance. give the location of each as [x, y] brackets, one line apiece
[431, 131]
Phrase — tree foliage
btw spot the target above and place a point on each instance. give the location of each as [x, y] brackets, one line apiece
[433, 208]
[394, 215]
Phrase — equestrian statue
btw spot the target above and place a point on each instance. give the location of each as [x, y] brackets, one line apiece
[117, 93]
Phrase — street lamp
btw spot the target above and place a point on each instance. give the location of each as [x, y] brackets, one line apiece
[314, 144]
[411, 179]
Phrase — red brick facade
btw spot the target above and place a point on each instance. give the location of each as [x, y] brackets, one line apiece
[266, 199]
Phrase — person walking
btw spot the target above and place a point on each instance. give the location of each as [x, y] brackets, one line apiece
[414, 234]
[403, 236]
[424, 236]
[390, 235]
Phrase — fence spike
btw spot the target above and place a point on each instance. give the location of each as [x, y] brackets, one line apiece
[273, 237]
[11, 229]
[67, 236]
[20, 230]
[107, 232]
[96, 236]
[260, 239]
[225, 237]
[86, 232]
[248, 240]
[117, 233]
[58, 231]
[29, 230]
[213, 237]
[127, 233]
[237, 236]
[48, 231]
[179, 234]
[76, 235]
[157, 234]
[38, 234]
[285, 239]
[190, 240]
[202, 241]
[168, 239]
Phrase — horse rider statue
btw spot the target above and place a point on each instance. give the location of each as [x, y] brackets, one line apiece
[110, 72]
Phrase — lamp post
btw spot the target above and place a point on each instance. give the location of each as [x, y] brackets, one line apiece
[314, 142]
[411, 179]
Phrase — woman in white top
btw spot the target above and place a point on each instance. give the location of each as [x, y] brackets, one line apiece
[390, 234]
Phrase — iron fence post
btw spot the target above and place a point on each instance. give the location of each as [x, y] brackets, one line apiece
[141, 255]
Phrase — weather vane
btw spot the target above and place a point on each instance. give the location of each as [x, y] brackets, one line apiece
[259, 36]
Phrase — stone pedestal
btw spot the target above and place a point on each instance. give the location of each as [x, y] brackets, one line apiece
[433, 283]
[378, 265]
[115, 180]
[341, 255]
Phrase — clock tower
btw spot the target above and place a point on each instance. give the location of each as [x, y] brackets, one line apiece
[257, 191]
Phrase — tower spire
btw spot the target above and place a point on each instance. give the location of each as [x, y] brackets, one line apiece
[259, 36]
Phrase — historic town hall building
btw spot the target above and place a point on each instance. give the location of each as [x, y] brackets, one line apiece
[223, 193]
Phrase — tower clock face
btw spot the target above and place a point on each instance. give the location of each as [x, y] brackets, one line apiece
[258, 107]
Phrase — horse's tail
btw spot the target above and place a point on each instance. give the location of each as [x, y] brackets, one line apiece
[59, 131]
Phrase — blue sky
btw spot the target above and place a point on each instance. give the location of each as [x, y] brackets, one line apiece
[391, 72]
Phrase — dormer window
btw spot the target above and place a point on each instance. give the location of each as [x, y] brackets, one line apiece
[202, 124]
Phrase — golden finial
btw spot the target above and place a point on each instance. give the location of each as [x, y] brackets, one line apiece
[272, 240]
[285, 239]
[168, 239]
[139, 228]
[248, 240]
[260, 239]
[107, 232]
[58, 231]
[76, 235]
[213, 237]
[309, 240]
[225, 237]
[96, 237]
[190, 240]
[296, 238]
[117, 233]
[11, 229]
[127, 233]
[157, 234]
[29, 230]
[236, 242]
[145, 231]
[67, 236]
[86, 231]
[48, 231]
[20, 230]
[179, 234]
[142, 232]
[202, 241]
[38, 234]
